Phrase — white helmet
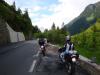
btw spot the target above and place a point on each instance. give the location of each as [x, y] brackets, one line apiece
[68, 37]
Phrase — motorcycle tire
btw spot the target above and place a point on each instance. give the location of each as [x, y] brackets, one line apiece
[43, 52]
[73, 69]
[68, 67]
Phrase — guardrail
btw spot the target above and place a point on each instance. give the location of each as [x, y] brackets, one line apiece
[92, 68]
[86, 64]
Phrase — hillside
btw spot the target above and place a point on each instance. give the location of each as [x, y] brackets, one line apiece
[85, 19]
[19, 21]
[88, 41]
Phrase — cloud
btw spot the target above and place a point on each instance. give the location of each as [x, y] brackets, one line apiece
[61, 10]
[64, 11]
[38, 8]
[10, 1]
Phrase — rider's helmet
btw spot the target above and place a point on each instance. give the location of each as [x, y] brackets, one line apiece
[68, 38]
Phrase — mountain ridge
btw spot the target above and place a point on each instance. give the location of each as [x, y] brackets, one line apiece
[87, 18]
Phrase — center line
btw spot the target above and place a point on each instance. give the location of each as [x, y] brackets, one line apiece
[37, 53]
[34, 63]
[33, 66]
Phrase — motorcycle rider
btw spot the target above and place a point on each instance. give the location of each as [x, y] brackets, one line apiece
[67, 47]
[69, 56]
[42, 43]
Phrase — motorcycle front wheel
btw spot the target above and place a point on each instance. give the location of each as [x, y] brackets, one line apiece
[43, 52]
[73, 68]
[70, 68]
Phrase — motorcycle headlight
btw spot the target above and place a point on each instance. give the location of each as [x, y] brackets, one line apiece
[42, 46]
[74, 59]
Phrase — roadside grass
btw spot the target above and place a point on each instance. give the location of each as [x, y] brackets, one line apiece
[90, 53]
[88, 39]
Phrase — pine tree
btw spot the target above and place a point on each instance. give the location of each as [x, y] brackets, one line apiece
[62, 24]
[46, 30]
[26, 14]
[64, 29]
[14, 5]
[53, 26]
[19, 11]
[58, 28]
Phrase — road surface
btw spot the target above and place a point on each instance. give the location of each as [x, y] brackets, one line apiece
[24, 59]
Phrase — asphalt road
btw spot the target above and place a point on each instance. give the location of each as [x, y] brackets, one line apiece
[17, 59]
[24, 59]
[50, 65]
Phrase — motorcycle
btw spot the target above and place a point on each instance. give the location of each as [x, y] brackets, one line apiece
[70, 61]
[42, 48]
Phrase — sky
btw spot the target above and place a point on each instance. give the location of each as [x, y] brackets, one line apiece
[44, 12]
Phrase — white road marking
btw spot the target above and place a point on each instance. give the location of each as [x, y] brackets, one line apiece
[34, 62]
[38, 53]
[16, 46]
[33, 66]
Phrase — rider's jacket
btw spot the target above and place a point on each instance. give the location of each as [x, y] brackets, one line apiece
[41, 41]
[69, 46]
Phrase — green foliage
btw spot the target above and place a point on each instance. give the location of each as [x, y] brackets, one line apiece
[39, 35]
[89, 54]
[55, 35]
[17, 20]
[88, 42]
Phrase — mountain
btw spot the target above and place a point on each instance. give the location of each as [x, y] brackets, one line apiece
[85, 19]
[17, 20]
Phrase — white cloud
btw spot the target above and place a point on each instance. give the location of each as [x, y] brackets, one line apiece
[63, 11]
[38, 8]
[10, 1]
[33, 14]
